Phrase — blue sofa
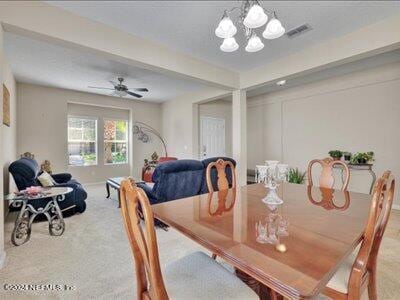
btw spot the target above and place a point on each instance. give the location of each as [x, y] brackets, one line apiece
[25, 172]
[182, 178]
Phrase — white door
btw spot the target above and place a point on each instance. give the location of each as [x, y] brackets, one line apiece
[212, 137]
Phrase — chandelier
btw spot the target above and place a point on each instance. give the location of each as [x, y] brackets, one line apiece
[252, 16]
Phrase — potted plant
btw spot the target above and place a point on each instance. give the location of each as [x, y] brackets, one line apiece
[347, 155]
[336, 154]
[361, 158]
[295, 176]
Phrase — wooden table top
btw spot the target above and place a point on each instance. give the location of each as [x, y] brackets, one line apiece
[321, 235]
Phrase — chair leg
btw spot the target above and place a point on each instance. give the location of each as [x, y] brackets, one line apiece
[214, 256]
[372, 291]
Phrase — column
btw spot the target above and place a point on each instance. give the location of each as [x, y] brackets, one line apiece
[239, 134]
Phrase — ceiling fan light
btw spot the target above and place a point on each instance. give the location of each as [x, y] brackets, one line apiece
[254, 44]
[226, 28]
[229, 45]
[273, 30]
[255, 17]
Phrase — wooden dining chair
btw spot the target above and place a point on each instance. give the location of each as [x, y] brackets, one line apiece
[358, 272]
[327, 179]
[222, 180]
[195, 276]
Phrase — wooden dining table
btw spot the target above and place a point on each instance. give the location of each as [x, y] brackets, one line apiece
[323, 226]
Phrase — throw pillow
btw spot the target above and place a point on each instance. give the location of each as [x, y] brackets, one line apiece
[46, 179]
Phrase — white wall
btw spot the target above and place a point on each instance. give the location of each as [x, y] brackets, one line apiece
[354, 112]
[220, 109]
[42, 128]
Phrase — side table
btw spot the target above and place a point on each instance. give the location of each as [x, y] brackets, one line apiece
[23, 224]
[115, 183]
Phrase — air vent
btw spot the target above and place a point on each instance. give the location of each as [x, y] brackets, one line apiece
[295, 32]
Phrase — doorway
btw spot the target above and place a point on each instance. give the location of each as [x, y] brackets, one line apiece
[212, 137]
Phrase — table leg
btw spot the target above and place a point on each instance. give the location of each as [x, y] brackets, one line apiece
[22, 227]
[108, 190]
[119, 198]
[373, 180]
[56, 222]
[262, 291]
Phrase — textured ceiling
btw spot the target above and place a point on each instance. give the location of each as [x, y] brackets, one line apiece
[188, 26]
[38, 62]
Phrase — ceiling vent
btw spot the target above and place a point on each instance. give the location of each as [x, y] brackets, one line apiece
[295, 32]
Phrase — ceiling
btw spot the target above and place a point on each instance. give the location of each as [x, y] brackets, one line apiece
[39, 62]
[188, 26]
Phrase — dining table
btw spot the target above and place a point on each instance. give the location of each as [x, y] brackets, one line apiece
[292, 249]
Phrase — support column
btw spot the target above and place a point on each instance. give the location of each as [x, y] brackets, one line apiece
[239, 134]
[2, 252]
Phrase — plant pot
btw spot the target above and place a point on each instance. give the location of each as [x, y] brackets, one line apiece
[347, 157]
[362, 161]
[336, 158]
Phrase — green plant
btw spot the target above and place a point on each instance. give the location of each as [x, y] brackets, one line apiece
[362, 158]
[295, 176]
[335, 154]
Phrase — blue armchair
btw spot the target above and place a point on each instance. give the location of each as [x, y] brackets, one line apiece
[25, 172]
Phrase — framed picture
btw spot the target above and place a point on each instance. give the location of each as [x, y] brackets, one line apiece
[6, 106]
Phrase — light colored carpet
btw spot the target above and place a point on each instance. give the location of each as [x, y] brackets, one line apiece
[94, 257]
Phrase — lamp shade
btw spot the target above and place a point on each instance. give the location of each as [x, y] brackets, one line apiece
[256, 17]
[273, 30]
[226, 28]
[254, 44]
[229, 45]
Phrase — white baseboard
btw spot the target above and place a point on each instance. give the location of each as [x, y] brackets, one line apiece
[2, 259]
[396, 206]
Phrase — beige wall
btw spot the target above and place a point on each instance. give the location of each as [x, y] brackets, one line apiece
[9, 139]
[354, 112]
[42, 128]
[223, 110]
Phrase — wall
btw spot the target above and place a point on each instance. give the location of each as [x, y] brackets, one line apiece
[223, 110]
[354, 112]
[42, 128]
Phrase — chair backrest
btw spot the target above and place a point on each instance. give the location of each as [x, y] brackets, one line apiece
[222, 180]
[24, 172]
[379, 213]
[177, 179]
[214, 173]
[143, 241]
[327, 179]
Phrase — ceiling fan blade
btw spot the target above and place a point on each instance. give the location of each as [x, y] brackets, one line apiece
[101, 88]
[134, 94]
[140, 89]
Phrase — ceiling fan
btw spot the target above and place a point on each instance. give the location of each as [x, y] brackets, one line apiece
[121, 89]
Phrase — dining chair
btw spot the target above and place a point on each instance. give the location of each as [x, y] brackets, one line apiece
[327, 179]
[358, 272]
[222, 181]
[195, 276]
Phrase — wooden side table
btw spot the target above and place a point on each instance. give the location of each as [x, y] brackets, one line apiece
[360, 167]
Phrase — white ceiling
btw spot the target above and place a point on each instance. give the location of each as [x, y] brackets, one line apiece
[38, 62]
[188, 26]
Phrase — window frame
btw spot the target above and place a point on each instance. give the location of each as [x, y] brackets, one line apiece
[116, 141]
[96, 142]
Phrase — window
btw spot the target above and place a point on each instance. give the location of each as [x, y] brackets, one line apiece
[82, 141]
[115, 141]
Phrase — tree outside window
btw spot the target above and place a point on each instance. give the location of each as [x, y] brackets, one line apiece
[115, 141]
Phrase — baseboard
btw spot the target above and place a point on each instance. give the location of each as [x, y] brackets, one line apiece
[2, 259]
[396, 206]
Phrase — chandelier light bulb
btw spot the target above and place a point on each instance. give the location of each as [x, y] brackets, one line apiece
[254, 44]
[229, 45]
[256, 17]
[226, 28]
[274, 29]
